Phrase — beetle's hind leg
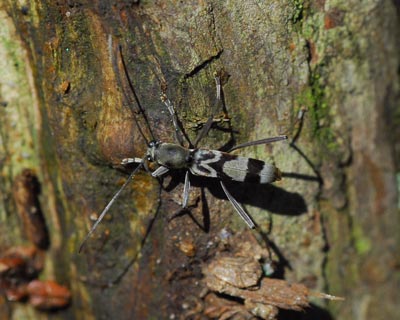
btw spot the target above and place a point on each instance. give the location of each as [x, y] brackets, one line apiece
[238, 207]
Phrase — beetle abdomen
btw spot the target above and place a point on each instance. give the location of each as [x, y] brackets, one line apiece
[217, 164]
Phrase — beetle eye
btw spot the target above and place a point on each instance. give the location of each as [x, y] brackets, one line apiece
[149, 158]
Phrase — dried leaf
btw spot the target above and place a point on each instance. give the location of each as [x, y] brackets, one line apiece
[48, 295]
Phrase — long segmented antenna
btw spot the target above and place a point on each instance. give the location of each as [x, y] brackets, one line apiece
[108, 206]
[239, 209]
[138, 104]
[258, 142]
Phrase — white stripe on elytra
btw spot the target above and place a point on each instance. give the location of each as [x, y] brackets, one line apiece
[267, 174]
[205, 163]
[236, 169]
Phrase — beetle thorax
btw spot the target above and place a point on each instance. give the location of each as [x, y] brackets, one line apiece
[170, 155]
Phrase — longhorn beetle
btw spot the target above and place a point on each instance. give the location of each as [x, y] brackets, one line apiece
[197, 161]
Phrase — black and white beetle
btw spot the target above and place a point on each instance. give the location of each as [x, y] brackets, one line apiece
[200, 162]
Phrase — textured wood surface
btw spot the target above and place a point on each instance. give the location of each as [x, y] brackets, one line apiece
[332, 221]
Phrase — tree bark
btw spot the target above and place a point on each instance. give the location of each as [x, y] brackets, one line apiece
[67, 114]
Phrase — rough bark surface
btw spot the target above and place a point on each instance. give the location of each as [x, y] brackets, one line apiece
[332, 222]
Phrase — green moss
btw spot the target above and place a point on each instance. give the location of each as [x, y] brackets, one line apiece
[320, 111]
[305, 98]
[361, 242]
[298, 12]
[313, 98]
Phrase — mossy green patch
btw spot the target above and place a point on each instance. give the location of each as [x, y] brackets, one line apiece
[298, 12]
[361, 242]
[320, 114]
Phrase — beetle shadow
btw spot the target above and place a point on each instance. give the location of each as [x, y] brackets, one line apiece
[264, 196]
[127, 266]
[283, 263]
[313, 312]
[203, 225]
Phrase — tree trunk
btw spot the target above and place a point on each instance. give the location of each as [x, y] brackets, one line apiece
[67, 114]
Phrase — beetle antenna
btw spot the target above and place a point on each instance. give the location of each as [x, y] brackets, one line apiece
[139, 107]
[108, 206]
[258, 142]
